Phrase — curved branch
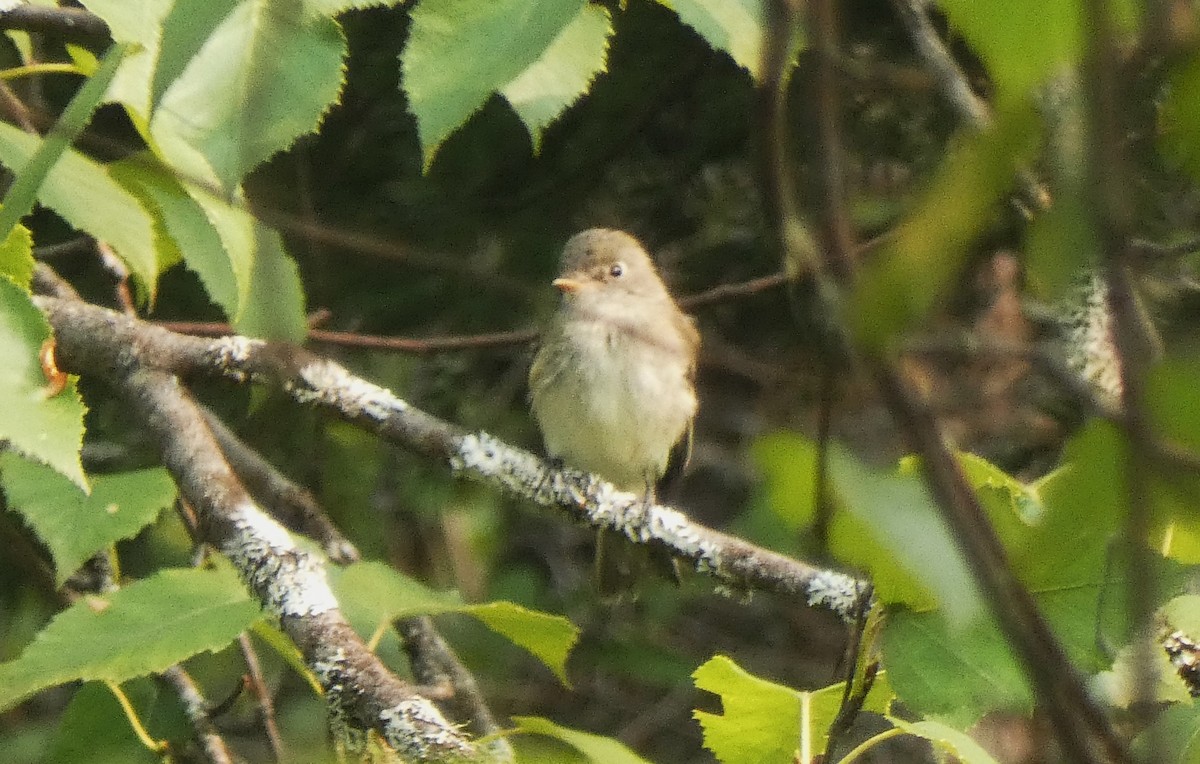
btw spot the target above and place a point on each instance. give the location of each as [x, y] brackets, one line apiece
[90, 337]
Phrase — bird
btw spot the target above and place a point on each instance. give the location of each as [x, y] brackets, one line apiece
[612, 384]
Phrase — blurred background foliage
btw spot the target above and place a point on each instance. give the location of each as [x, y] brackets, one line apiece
[663, 146]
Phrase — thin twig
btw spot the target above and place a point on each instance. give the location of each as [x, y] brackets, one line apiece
[196, 709]
[291, 504]
[262, 694]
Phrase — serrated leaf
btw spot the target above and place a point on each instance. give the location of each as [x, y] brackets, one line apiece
[371, 593]
[144, 628]
[265, 76]
[48, 429]
[597, 749]
[760, 723]
[549, 637]
[734, 26]
[139, 23]
[185, 226]
[460, 52]
[16, 256]
[947, 739]
[75, 525]
[275, 306]
[563, 73]
[87, 197]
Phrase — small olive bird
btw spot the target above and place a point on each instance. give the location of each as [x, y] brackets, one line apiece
[613, 382]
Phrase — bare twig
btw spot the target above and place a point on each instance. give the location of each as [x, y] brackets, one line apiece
[262, 694]
[291, 504]
[433, 661]
[71, 23]
[196, 709]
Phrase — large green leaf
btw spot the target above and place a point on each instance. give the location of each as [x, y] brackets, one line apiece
[263, 77]
[460, 52]
[275, 308]
[139, 23]
[1000, 30]
[760, 720]
[734, 26]
[371, 593]
[187, 230]
[75, 525]
[141, 629]
[595, 748]
[87, 197]
[563, 73]
[44, 427]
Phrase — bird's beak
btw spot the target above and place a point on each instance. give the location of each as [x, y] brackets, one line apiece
[567, 286]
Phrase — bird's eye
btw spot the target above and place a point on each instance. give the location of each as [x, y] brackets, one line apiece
[617, 270]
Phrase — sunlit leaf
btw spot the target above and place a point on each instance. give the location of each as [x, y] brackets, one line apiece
[168, 617]
[48, 428]
[947, 739]
[595, 748]
[760, 720]
[75, 525]
[16, 256]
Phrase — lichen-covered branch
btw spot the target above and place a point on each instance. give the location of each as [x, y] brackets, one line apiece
[289, 581]
[196, 709]
[88, 335]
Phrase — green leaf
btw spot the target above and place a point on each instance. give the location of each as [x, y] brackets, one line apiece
[760, 723]
[956, 673]
[95, 729]
[139, 24]
[917, 265]
[1180, 116]
[1123, 684]
[459, 52]
[1173, 737]
[947, 739]
[16, 256]
[275, 309]
[601, 750]
[265, 76]
[371, 593]
[48, 429]
[549, 637]
[896, 512]
[75, 525]
[788, 460]
[142, 629]
[734, 26]
[563, 73]
[87, 197]
[1000, 31]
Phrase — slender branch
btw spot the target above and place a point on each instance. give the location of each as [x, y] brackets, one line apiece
[433, 661]
[290, 582]
[291, 504]
[92, 337]
[258, 686]
[71, 23]
[196, 709]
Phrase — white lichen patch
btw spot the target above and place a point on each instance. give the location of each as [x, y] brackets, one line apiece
[417, 729]
[331, 384]
[836, 592]
[290, 581]
[232, 354]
